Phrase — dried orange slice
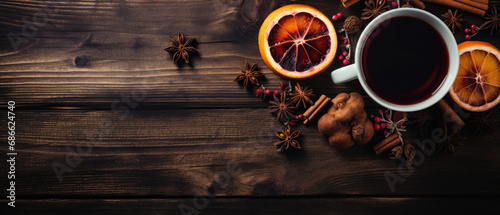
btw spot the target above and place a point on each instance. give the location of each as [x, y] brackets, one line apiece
[477, 87]
[297, 41]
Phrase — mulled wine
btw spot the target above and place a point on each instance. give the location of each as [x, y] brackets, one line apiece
[404, 60]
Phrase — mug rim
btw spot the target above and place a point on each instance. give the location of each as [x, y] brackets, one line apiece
[451, 46]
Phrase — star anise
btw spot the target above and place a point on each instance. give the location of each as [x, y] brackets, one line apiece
[453, 140]
[180, 48]
[373, 9]
[452, 19]
[450, 143]
[283, 107]
[482, 122]
[249, 75]
[492, 21]
[302, 95]
[420, 119]
[287, 139]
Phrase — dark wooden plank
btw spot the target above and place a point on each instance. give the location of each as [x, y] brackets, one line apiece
[123, 42]
[183, 152]
[360, 205]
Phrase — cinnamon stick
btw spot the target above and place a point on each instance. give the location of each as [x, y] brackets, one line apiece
[482, 1]
[393, 143]
[474, 4]
[459, 5]
[314, 107]
[450, 115]
[348, 3]
[385, 142]
[325, 102]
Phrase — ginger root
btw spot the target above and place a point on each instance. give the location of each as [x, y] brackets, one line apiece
[346, 122]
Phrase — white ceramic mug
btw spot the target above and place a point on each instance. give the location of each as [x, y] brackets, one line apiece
[354, 71]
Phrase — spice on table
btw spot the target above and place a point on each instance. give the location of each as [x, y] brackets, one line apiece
[180, 48]
[450, 116]
[302, 95]
[453, 139]
[282, 107]
[452, 19]
[318, 106]
[492, 21]
[388, 143]
[396, 152]
[373, 9]
[348, 3]
[420, 119]
[249, 75]
[346, 122]
[288, 139]
[482, 122]
[409, 152]
[464, 5]
[415, 3]
[352, 25]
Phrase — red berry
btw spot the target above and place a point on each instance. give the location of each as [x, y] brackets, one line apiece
[394, 4]
[345, 61]
[383, 125]
[276, 92]
[376, 126]
[474, 31]
[259, 91]
[282, 86]
[473, 27]
[341, 37]
[467, 30]
[345, 53]
[293, 122]
[346, 41]
[385, 132]
[339, 15]
[268, 91]
[377, 119]
[300, 116]
[467, 37]
[341, 57]
[334, 18]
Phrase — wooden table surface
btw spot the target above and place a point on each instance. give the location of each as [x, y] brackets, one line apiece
[107, 124]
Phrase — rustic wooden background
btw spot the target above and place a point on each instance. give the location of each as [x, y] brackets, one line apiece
[95, 92]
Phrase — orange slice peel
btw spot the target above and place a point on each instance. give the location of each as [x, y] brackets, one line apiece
[477, 86]
[297, 41]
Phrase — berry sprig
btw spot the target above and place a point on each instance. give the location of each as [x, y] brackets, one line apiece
[346, 54]
[346, 43]
[472, 31]
[394, 4]
[264, 93]
[387, 125]
[337, 16]
[267, 94]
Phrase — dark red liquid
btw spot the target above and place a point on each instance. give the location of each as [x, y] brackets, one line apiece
[404, 60]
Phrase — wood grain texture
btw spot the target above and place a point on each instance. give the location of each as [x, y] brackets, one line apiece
[354, 206]
[122, 43]
[96, 93]
[183, 152]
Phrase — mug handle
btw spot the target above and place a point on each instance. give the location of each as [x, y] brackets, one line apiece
[345, 74]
